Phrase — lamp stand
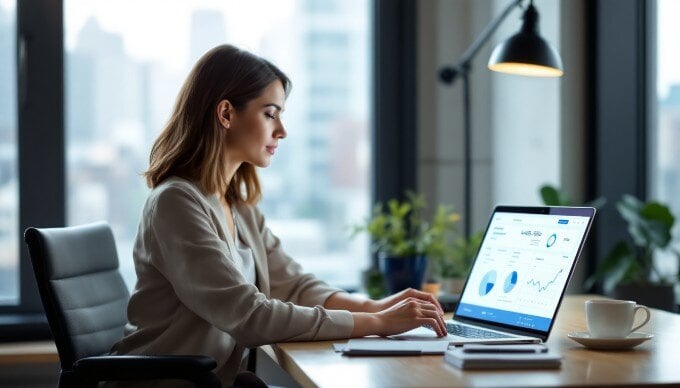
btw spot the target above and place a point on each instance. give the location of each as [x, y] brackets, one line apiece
[467, 152]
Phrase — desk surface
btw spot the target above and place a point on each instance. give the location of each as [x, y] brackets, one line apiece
[28, 353]
[654, 362]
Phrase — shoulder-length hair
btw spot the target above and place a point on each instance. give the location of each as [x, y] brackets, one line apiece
[192, 143]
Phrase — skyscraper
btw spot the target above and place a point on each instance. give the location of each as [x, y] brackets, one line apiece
[207, 31]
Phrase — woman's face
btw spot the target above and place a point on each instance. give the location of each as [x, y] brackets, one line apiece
[254, 132]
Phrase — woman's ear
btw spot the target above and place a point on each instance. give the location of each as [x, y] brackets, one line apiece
[224, 113]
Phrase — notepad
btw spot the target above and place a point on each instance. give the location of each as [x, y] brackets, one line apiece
[539, 360]
[389, 347]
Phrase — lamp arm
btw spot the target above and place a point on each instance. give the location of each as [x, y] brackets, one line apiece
[449, 73]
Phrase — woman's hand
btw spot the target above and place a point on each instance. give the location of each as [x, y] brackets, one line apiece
[410, 313]
[387, 302]
[405, 315]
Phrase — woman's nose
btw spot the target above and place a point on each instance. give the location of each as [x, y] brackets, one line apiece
[280, 132]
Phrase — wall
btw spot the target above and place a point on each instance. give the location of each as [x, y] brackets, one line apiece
[515, 119]
[445, 30]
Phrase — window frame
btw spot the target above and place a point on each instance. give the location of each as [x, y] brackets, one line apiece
[394, 99]
[40, 121]
[623, 73]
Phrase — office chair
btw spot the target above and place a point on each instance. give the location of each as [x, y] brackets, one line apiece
[85, 300]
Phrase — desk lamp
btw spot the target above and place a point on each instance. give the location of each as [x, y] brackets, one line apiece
[524, 53]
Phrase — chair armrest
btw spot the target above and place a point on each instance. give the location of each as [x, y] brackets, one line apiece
[197, 369]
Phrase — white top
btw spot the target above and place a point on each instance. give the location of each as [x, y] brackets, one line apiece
[245, 255]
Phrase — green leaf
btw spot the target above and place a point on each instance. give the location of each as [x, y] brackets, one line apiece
[658, 212]
[553, 197]
[629, 207]
[634, 272]
[613, 267]
[659, 221]
[649, 224]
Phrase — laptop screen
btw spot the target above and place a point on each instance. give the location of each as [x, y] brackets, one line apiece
[523, 266]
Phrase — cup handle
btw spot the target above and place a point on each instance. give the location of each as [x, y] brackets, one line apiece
[640, 307]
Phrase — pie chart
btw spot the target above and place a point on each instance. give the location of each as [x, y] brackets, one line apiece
[487, 283]
[510, 282]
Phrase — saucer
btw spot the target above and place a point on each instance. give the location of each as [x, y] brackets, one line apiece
[634, 339]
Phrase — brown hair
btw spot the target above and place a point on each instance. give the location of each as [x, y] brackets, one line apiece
[191, 145]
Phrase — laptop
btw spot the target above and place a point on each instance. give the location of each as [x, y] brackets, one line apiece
[518, 278]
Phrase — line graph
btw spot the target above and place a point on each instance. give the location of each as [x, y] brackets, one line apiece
[537, 283]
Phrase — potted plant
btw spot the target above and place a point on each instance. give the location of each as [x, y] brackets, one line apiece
[404, 240]
[452, 267]
[629, 271]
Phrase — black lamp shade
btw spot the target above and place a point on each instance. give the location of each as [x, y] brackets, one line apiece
[526, 53]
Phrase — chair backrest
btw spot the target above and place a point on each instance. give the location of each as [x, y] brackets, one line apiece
[82, 291]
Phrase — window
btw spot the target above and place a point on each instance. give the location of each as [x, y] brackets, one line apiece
[526, 142]
[121, 81]
[665, 161]
[9, 187]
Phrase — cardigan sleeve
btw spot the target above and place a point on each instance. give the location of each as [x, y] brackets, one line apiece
[287, 280]
[198, 265]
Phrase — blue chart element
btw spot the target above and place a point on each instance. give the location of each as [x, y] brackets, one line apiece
[537, 283]
[488, 281]
[510, 282]
[551, 240]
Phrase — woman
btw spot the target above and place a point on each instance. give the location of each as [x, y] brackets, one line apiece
[211, 277]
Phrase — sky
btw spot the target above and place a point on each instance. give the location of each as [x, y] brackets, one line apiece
[668, 46]
[168, 40]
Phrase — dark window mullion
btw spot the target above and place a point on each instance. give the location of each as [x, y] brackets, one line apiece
[620, 119]
[41, 128]
[394, 98]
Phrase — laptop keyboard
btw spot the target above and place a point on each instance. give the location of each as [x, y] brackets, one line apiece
[472, 332]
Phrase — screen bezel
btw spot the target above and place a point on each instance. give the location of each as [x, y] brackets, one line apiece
[547, 210]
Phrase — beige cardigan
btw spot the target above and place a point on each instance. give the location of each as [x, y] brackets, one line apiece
[192, 298]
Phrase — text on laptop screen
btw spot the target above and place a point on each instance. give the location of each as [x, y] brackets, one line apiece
[522, 268]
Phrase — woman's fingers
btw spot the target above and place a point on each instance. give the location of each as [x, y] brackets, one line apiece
[425, 296]
[440, 322]
[425, 309]
[410, 313]
[434, 324]
[426, 305]
[405, 295]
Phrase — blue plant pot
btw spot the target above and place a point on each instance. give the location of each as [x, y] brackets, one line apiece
[403, 272]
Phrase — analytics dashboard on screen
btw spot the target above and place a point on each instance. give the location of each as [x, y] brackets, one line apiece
[522, 268]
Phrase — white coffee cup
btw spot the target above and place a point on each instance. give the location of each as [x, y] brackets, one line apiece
[613, 318]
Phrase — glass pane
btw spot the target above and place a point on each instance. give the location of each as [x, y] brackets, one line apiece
[525, 121]
[665, 170]
[9, 177]
[122, 78]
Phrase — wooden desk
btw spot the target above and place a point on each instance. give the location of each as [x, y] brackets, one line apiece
[651, 363]
[28, 353]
